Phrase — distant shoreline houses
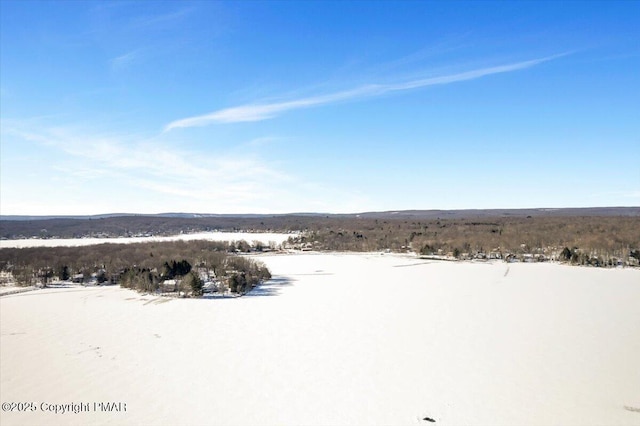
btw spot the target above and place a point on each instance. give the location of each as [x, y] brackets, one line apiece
[574, 257]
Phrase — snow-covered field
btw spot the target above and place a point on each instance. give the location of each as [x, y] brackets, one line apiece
[263, 237]
[337, 339]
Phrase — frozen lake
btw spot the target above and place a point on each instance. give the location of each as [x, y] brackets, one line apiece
[338, 339]
[263, 237]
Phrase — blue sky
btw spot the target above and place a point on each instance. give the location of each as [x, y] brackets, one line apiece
[276, 107]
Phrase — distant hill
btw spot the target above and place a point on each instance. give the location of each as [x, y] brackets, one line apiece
[421, 214]
[547, 212]
[121, 224]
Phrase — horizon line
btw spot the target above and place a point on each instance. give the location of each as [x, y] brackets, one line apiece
[392, 211]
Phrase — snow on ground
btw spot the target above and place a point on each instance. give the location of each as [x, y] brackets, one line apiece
[263, 237]
[337, 339]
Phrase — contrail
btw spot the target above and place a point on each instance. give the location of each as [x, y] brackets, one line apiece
[259, 112]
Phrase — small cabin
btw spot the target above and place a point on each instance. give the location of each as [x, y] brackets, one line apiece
[168, 286]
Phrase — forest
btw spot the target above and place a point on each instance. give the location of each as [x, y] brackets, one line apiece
[595, 237]
[591, 240]
[407, 220]
[143, 266]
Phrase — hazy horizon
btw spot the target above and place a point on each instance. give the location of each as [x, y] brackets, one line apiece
[485, 212]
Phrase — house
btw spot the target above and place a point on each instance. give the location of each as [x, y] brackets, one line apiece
[209, 287]
[205, 274]
[169, 286]
[77, 278]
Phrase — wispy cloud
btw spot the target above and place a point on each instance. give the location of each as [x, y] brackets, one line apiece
[191, 177]
[152, 174]
[266, 140]
[161, 19]
[259, 112]
[124, 61]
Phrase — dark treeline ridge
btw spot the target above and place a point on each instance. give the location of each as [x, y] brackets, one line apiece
[142, 266]
[172, 224]
[127, 226]
[604, 235]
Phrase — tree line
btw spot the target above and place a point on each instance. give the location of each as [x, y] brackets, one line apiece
[590, 237]
[140, 266]
[122, 226]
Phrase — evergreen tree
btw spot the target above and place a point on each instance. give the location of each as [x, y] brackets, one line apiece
[63, 274]
[193, 282]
